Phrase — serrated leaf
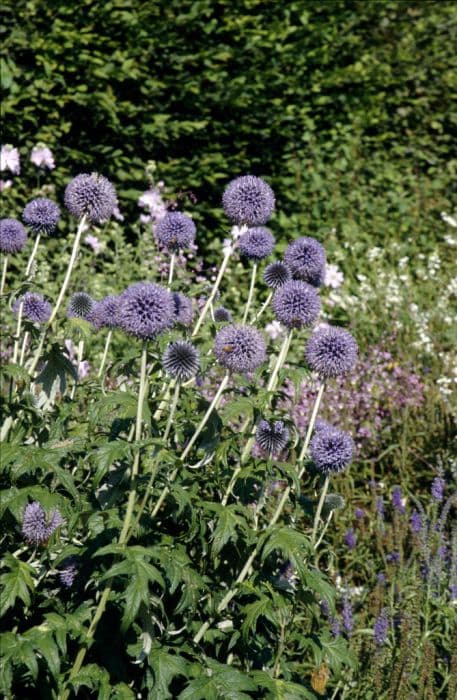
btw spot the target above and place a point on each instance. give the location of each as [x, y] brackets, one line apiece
[253, 611]
[165, 666]
[226, 528]
[17, 583]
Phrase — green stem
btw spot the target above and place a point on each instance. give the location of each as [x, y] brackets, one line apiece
[71, 264]
[213, 292]
[105, 352]
[317, 515]
[251, 292]
[171, 415]
[4, 269]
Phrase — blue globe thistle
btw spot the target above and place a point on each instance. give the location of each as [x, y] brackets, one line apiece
[181, 360]
[333, 501]
[41, 215]
[248, 200]
[13, 236]
[240, 348]
[331, 351]
[92, 196]
[104, 312]
[306, 259]
[145, 310]
[35, 528]
[272, 437]
[331, 450]
[276, 274]
[80, 306]
[35, 308]
[257, 243]
[222, 315]
[69, 571]
[184, 312]
[175, 231]
[296, 304]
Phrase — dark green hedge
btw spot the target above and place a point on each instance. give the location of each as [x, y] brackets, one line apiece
[332, 101]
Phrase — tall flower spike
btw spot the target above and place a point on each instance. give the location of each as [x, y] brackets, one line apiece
[92, 196]
[240, 348]
[257, 243]
[331, 450]
[35, 308]
[248, 200]
[13, 236]
[175, 231]
[145, 310]
[80, 306]
[276, 274]
[272, 437]
[331, 351]
[181, 360]
[306, 260]
[41, 215]
[296, 304]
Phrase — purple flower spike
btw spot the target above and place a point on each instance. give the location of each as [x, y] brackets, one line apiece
[397, 500]
[347, 616]
[381, 628]
[306, 259]
[68, 574]
[248, 200]
[240, 348]
[296, 304]
[350, 538]
[13, 236]
[438, 485]
[331, 351]
[415, 522]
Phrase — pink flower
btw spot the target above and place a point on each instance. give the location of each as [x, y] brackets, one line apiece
[42, 157]
[9, 159]
[94, 243]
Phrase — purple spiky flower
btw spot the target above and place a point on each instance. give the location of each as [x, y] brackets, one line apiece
[41, 215]
[276, 274]
[331, 351]
[184, 312]
[240, 348]
[296, 304]
[146, 310]
[272, 437]
[181, 360]
[80, 305]
[91, 195]
[104, 312]
[332, 450]
[13, 236]
[35, 528]
[221, 315]
[248, 200]
[257, 243]
[306, 259]
[175, 231]
[35, 308]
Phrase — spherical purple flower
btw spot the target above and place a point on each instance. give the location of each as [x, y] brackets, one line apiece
[80, 306]
[257, 243]
[69, 572]
[240, 348]
[35, 308]
[381, 628]
[248, 200]
[221, 314]
[181, 360]
[145, 310]
[350, 538]
[92, 196]
[41, 215]
[175, 231]
[296, 304]
[332, 450]
[276, 274]
[13, 236]
[104, 312]
[184, 312]
[272, 437]
[331, 351]
[35, 528]
[306, 259]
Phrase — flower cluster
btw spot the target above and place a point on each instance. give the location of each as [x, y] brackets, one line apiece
[35, 527]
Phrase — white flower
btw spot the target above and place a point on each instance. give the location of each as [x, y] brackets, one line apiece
[274, 329]
[238, 231]
[449, 219]
[450, 240]
[117, 214]
[334, 278]
[94, 243]
[9, 159]
[42, 157]
[5, 184]
[227, 247]
[152, 201]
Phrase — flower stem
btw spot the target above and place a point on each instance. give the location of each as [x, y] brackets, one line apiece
[251, 292]
[262, 308]
[171, 415]
[105, 352]
[171, 268]
[23, 348]
[28, 269]
[317, 515]
[213, 292]
[4, 269]
[79, 359]
[247, 566]
[71, 264]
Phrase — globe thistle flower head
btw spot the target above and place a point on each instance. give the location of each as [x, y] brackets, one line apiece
[104, 312]
[184, 312]
[240, 348]
[13, 236]
[276, 274]
[35, 308]
[175, 231]
[145, 310]
[333, 501]
[272, 437]
[222, 315]
[41, 215]
[80, 306]
[331, 351]
[35, 527]
[248, 200]
[296, 304]
[331, 450]
[306, 260]
[92, 196]
[181, 360]
[69, 572]
[257, 243]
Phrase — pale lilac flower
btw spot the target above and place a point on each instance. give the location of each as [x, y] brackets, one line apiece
[334, 278]
[152, 201]
[9, 159]
[42, 157]
[94, 243]
[350, 538]
[274, 329]
[83, 369]
[5, 185]
[117, 214]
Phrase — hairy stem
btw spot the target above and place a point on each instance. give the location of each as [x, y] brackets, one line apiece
[71, 264]
[28, 269]
[264, 306]
[251, 292]
[79, 359]
[317, 515]
[171, 268]
[105, 352]
[213, 292]
[171, 415]
[4, 269]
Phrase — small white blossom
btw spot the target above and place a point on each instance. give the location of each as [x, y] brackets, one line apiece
[94, 243]
[274, 329]
[449, 219]
[334, 278]
[5, 184]
[42, 157]
[9, 159]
